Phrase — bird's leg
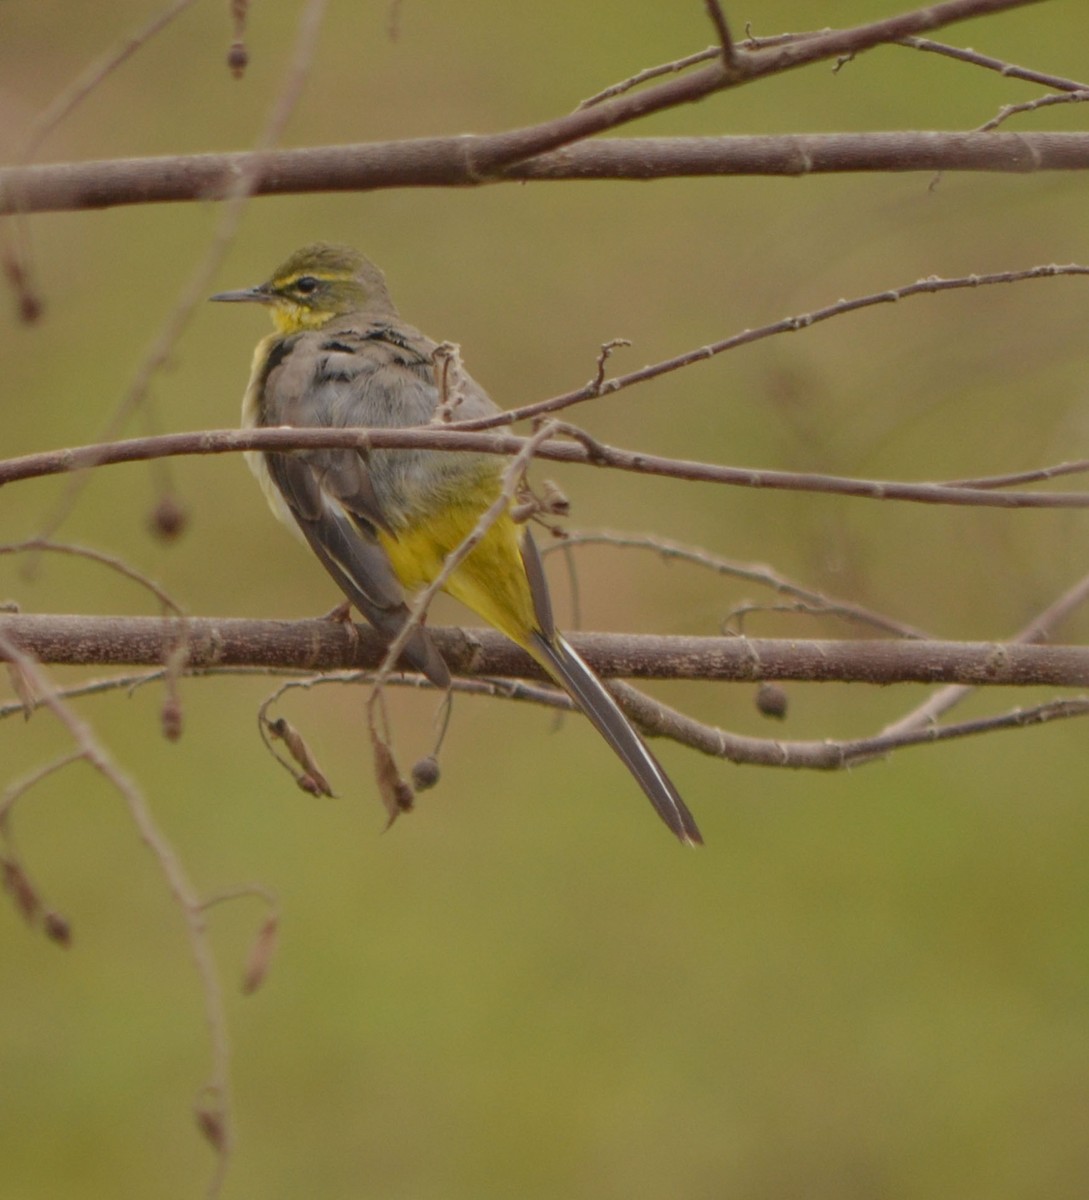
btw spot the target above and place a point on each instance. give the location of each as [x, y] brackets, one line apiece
[342, 613]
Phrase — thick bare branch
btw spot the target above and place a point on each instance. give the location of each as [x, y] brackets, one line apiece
[459, 160]
[586, 451]
[442, 162]
[328, 645]
[827, 754]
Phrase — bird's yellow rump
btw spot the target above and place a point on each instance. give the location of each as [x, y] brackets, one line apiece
[382, 522]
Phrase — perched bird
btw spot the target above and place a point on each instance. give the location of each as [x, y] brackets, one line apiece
[382, 521]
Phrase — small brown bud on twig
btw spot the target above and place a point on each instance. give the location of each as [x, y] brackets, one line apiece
[238, 58]
[18, 886]
[30, 303]
[603, 357]
[771, 700]
[57, 929]
[397, 795]
[170, 718]
[168, 519]
[312, 779]
[211, 1124]
[260, 956]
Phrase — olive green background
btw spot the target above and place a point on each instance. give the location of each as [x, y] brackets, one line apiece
[867, 985]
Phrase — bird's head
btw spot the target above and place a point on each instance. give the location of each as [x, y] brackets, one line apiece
[317, 284]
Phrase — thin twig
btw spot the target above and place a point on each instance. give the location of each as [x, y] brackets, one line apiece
[1037, 630]
[961, 493]
[1008, 69]
[645, 76]
[196, 290]
[309, 777]
[961, 53]
[41, 126]
[659, 720]
[755, 572]
[727, 50]
[44, 545]
[1027, 106]
[177, 879]
[20, 787]
[922, 287]
[512, 477]
[15, 248]
[1016, 478]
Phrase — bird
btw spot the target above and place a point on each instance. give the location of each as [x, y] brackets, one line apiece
[382, 522]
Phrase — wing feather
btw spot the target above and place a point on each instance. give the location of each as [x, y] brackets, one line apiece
[330, 493]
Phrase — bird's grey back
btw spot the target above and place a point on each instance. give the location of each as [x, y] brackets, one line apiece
[368, 370]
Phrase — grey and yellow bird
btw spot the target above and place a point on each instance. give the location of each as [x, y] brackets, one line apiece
[382, 522]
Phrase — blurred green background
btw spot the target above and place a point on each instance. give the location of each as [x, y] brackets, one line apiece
[867, 985]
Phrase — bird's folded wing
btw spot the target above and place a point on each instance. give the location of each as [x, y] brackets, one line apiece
[538, 585]
[351, 553]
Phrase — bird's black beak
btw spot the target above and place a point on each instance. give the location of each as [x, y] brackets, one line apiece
[260, 294]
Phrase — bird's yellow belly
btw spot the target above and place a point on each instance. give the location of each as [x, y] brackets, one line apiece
[491, 580]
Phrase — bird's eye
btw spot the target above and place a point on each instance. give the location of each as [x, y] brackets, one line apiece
[306, 284]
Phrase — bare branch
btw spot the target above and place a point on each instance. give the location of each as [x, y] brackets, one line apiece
[962, 54]
[1012, 110]
[325, 645]
[1008, 69]
[454, 437]
[658, 720]
[459, 160]
[587, 451]
[751, 42]
[922, 287]
[441, 162]
[645, 76]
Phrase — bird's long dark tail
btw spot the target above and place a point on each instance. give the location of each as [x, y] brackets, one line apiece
[569, 670]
